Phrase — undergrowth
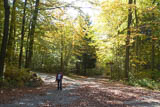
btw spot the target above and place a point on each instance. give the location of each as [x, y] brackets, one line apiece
[149, 79]
[14, 77]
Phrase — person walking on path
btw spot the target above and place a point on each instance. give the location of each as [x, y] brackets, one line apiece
[59, 78]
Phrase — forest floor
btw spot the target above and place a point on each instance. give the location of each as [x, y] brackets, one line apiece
[80, 92]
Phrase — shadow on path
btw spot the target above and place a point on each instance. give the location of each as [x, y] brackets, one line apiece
[89, 92]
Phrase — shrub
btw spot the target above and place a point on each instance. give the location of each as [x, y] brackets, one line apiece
[151, 84]
[14, 77]
[155, 75]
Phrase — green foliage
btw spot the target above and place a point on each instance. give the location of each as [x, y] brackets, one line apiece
[148, 78]
[13, 77]
[144, 40]
[151, 84]
[85, 51]
[93, 72]
[155, 75]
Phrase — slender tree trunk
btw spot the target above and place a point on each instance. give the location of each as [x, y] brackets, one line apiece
[153, 54]
[14, 43]
[153, 44]
[111, 70]
[128, 41]
[1, 18]
[33, 24]
[137, 38]
[10, 48]
[27, 45]
[118, 69]
[5, 37]
[22, 34]
[159, 57]
[62, 62]
[27, 50]
[68, 55]
[62, 55]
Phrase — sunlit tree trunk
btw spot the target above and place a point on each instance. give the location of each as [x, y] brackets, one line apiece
[5, 37]
[128, 41]
[31, 33]
[22, 34]
[10, 48]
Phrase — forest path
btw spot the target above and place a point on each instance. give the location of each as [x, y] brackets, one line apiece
[88, 92]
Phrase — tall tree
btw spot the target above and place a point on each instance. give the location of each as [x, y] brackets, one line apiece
[31, 34]
[153, 43]
[84, 51]
[10, 48]
[62, 51]
[5, 36]
[22, 34]
[1, 19]
[27, 46]
[128, 40]
[137, 37]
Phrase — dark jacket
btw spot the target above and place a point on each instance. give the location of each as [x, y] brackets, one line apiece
[60, 77]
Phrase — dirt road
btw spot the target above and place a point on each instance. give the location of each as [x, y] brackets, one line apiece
[88, 92]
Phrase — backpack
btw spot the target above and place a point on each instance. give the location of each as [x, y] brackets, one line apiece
[59, 76]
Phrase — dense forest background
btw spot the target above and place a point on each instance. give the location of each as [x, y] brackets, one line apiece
[122, 42]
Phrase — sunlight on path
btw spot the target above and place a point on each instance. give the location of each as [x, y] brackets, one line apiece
[119, 90]
[100, 90]
[52, 96]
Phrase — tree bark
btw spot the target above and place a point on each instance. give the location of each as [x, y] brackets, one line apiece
[5, 37]
[10, 48]
[22, 34]
[33, 24]
[27, 46]
[128, 41]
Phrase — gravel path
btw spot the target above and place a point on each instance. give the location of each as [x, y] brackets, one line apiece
[89, 92]
[52, 97]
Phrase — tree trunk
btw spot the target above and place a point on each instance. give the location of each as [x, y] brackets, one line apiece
[62, 51]
[5, 37]
[153, 44]
[137, 38]
[27, 45]
[31, 34]
[117, 61]
[22, 34]
[1, 18]
[153, 54]
[10, 48]
[128, 41]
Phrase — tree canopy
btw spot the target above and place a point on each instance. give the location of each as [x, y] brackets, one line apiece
[122, 39]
